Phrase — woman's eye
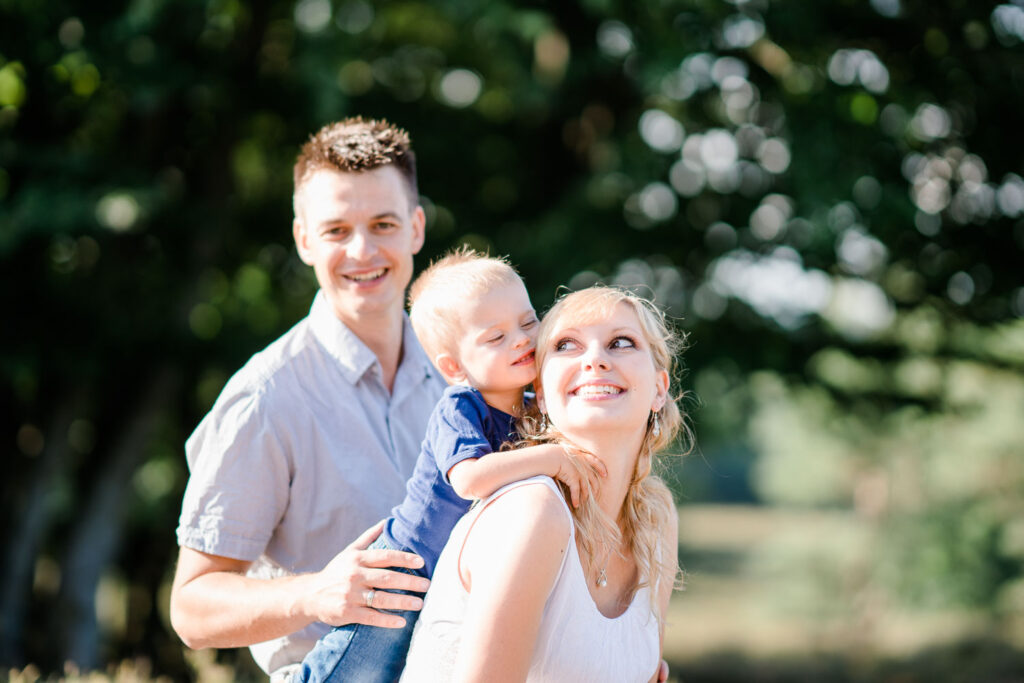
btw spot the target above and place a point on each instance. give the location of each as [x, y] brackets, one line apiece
[565, 345]
[622, 343]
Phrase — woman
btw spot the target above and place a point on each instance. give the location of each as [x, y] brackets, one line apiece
[528, 589]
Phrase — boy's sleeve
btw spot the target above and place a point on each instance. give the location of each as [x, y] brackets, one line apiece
[460, 430]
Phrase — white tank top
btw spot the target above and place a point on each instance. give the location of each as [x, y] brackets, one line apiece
[575, 643]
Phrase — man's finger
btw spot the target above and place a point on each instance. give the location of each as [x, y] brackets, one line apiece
[389, 580]
[386, 600]
[374, 617]
[390, 558]
[368, 536]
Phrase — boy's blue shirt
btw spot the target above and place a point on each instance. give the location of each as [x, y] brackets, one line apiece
[462, 426]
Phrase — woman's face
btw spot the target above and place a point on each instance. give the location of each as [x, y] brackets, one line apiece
[598, 375]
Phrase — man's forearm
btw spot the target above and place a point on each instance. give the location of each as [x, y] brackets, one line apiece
[227, 609]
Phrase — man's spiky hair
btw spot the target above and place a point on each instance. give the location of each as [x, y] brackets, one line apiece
[355, 145]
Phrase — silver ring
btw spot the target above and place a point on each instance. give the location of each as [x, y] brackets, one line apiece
[368, 597]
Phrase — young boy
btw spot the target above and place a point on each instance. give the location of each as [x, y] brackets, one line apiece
[473, 317]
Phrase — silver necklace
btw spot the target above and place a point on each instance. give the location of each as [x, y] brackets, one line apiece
[602, 576]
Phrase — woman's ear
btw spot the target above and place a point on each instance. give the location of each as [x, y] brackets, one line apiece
[661, 382]
[450, 368]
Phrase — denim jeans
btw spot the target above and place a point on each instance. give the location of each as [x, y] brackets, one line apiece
[361, 653]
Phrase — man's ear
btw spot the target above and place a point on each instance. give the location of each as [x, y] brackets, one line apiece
[302, 241]
[419, 229]
[450, 368]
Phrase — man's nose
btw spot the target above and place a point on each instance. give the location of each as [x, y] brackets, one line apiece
[361, 244]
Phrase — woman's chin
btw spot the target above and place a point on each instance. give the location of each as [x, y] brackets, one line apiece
[588, 427]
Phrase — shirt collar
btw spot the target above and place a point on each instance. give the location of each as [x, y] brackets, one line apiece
[414, 359]
[355, 357]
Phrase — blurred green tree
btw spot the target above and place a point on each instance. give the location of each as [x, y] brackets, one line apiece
[835, 182]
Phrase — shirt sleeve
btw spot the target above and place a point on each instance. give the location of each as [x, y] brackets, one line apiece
[460, 430]
[239, 478]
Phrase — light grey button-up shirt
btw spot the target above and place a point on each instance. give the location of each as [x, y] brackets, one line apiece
[303, 450]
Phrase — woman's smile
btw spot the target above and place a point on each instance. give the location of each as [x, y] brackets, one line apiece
[596, 391]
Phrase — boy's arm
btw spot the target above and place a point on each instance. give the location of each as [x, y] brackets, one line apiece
[480, 477]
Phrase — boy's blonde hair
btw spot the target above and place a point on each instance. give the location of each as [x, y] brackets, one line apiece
[439, 295]
[648, 503]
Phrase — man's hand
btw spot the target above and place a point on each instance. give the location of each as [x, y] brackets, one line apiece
[579, 470]
[340, 590]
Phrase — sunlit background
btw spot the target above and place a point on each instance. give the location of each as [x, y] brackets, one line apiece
[826, 196]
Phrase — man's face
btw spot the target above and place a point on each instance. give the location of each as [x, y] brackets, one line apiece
[359, 231]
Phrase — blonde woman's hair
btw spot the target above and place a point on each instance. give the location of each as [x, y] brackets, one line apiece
[648, 504]
[439, 295]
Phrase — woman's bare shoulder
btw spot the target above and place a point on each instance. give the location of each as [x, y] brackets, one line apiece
[530, 510]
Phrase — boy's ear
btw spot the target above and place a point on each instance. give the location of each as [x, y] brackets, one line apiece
[450, 368]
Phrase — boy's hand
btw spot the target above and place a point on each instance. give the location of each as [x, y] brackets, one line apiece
[579, 470]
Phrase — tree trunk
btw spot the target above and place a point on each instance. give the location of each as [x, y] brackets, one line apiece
[96, 538]
[30, 528]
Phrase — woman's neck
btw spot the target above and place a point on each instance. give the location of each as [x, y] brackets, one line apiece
[619, 455]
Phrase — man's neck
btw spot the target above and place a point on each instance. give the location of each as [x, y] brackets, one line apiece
[383, 336]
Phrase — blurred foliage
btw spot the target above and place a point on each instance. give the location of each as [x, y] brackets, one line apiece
[826, 194]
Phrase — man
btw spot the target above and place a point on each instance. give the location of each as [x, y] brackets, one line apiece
[312, 441]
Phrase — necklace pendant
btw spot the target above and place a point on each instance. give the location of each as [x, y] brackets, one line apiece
[602, 579]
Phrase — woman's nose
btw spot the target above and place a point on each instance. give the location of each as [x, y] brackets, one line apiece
[595, 359]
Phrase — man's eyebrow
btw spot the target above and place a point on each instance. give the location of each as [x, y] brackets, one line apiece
[336, 220]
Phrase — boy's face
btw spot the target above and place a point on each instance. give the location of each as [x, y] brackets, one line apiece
[497, 342]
